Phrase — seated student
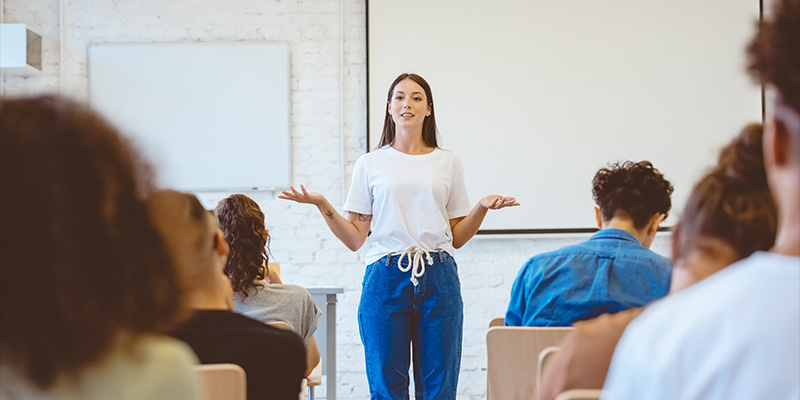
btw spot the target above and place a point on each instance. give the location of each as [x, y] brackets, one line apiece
[272, 358]
[259, 293]
[728, 216]
[736, 334]
[615, 269]
[86, 286]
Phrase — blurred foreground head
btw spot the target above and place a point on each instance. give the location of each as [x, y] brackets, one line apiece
[774, 60]
[729, 214]
[82, 263]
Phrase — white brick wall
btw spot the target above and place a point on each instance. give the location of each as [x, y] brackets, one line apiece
[310, 255]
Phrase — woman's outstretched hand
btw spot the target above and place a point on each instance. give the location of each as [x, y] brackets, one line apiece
[303, 196]
[496, 202]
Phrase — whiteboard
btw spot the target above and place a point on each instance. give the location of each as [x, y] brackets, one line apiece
[536, 96]
[210, 116]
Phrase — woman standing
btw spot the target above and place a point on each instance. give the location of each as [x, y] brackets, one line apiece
[412, 195]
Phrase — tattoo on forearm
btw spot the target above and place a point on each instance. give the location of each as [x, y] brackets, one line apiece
[329, 214]
[364, 217]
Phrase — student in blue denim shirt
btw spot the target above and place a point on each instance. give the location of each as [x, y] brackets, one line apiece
[612, 271]
[411, 195]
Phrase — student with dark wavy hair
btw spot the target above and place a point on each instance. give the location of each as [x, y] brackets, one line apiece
[86, 284]
[736, 334]
[612, 271]
[729, 215]
[258, 293]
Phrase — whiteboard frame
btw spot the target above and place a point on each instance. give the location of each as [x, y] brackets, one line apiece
[374, 133]
[258, 155]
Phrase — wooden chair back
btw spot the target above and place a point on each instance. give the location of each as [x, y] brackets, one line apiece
[512, 362]
[223, 381]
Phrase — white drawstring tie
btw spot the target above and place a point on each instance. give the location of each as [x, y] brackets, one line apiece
[416, 263]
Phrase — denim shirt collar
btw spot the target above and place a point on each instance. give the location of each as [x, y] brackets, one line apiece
[614, 233]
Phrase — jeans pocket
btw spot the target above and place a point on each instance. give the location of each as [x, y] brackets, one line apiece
[370, 271]
[453, 268]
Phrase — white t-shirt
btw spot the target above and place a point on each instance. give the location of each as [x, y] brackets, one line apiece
[734, 335]
[411, 199]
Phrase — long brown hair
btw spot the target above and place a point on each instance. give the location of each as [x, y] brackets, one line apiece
[428, 125]
[81, 260]
[242, 223]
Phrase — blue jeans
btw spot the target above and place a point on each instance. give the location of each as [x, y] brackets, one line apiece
[394, 315]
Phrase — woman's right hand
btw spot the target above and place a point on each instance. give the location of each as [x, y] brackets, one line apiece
[303, 196]
[352, 234]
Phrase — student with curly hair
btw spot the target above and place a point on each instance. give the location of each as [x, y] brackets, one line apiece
[729, 215]
[736, 334]
[86, 284]
[612, 271]
[258, 293]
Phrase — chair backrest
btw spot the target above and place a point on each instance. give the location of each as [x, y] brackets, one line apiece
[315, 378]
[223, 381]
[499, 321]
[545, 357]
[311, 381]
[512, 362]
[280, 325]
[580, 394]
[303, 389]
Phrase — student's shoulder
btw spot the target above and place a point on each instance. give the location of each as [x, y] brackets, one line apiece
[290, 291]
[644, 253]
[164, 350]
[555, 257]
[248, 326]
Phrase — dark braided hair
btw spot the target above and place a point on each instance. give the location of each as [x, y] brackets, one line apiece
[633, 190]
[242, 223]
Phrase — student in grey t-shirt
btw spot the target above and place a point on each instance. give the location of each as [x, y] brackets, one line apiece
[273, 300]
[258, 292]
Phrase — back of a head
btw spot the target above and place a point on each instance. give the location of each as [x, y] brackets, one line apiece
[773, 56]
[242, 223]
[188, 230]
[81, 262]
[774, 59]
[731, 203]
[634, 190]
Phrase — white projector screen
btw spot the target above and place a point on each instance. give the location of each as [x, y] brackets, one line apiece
[536, 96]
[210, 116]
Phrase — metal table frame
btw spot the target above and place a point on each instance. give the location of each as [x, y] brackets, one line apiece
[325, 298]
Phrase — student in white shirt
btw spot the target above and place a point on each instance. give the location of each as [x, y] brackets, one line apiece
[736, 334]
[412, 195]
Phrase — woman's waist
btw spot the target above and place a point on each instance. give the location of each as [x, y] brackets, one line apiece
[378, 251]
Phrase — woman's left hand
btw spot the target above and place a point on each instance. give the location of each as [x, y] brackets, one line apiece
[496, 202]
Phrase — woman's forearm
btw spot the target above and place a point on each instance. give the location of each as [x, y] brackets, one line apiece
[466, 228]
[347, 232]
